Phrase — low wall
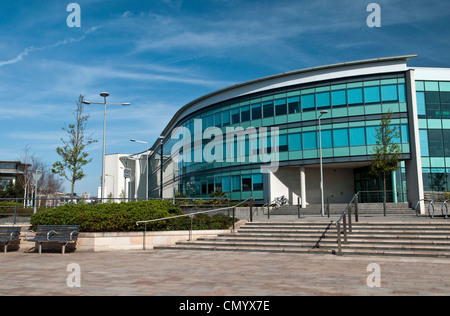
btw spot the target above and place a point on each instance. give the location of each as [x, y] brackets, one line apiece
[97, 242]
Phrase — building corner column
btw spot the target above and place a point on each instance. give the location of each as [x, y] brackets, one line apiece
[414, 178]
[303, 187]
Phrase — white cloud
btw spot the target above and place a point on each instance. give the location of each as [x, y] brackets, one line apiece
[32, 49]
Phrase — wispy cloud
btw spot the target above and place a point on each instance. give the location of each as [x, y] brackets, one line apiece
[32, 49]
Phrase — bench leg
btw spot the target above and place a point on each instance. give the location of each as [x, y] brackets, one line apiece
[40, 248]
[6, 248]
[64, 249]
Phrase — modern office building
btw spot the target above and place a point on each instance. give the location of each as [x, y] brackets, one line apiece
[228, 140]
[10, 171]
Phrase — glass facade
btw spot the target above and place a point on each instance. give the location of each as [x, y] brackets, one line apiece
[354, 110]
[433, 105]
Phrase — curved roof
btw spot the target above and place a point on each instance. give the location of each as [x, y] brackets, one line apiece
[314, 74]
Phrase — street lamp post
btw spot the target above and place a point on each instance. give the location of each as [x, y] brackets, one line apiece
[146, 166]
[104, 95]
[161, 140]
[37, 177]
[322, 208]
[174, 190]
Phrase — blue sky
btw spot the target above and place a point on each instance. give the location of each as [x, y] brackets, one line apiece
[161, 54]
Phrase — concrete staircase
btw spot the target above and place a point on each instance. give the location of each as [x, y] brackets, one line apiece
[370, 209]
[415, 238]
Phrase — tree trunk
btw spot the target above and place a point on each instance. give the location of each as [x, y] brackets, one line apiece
[71, 193]
[384, 193]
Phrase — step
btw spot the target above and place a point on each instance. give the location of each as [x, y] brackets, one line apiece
[395, 238]
[299, 250]
[364, 243]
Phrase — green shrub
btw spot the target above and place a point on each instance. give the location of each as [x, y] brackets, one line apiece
[122, 217]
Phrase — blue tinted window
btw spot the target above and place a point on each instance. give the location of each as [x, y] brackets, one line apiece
[258, 182]
[247, 182]
[371, 135]
[309, 140]
[210, 121]
[389, 93]
[339, 98]
[235, 116]
[327, 141]
[226, 118]
[226, 184]
[423, 135]
[280, 107]
[217, 119]
[340, 137]
[245, 114]
[308, 102]
[401, 93]
[396, 128]
[268, 109]
[294, 105]
[372, 94]
[256, 111]
[355, 96]
[283, 143]
[236, 183]
[323, 99]
[405, 133]
[421, 103]
[357, 136]
[295, 141]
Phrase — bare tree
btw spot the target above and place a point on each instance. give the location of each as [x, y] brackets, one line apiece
[73, 156]
[25, 179]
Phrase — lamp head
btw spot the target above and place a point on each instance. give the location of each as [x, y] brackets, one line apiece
[104, 94]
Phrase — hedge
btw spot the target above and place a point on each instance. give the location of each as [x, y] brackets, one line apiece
[122, 217]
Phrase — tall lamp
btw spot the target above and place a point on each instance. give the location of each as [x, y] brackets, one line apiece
[104, 95]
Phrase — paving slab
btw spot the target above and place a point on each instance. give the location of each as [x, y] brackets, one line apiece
[209, 273]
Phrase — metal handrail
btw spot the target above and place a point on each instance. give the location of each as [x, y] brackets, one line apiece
[191, 215]
[346, 213]
[446, 207]
[268, 207]
[347, 208]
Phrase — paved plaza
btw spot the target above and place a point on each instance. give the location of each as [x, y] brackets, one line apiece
[209, 273]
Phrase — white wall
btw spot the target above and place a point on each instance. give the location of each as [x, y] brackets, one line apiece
[337, 181]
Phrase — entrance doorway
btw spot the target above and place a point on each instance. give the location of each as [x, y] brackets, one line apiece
[371, 187]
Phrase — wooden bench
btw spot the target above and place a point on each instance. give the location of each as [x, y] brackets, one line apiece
[63, 234]
[9, 234]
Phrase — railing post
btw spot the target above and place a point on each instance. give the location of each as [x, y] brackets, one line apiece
[339, 241]
[345, 229]
[298, 206]
[190, 231]
[350, 219]
[268, 211]
[328, 205]
[15, 212]
[356, 209]
[145, 237]
[234, 212]
[251, 210]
